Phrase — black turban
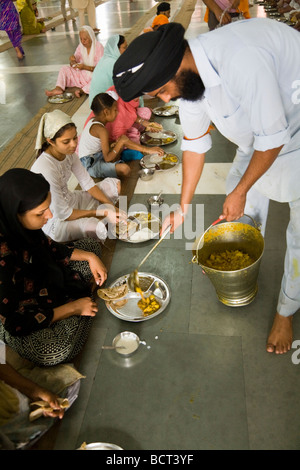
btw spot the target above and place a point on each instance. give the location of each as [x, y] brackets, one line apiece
[150, 61]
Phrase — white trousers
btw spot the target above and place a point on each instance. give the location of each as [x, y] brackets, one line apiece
[257, 206]
[91, 227]
[91, 12]
[63, 8]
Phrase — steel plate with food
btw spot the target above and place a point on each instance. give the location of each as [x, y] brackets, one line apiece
[63, 98]
[159, 162]
[169, 110]
[139, 227]
[154, 139]
[136, 307]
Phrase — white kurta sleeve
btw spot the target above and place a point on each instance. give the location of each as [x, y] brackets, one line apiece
[85, 180]
[253, 77]
[195, 124]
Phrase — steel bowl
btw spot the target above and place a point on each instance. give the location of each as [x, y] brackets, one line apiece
[155, 201]
[129, 340]
[146, 174]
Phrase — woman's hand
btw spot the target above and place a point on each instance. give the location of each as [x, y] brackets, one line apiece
[72, 60]
[150, 150]
[112, 214]
[85, 307]
[52, 399]
[78, 66]
[98, 269]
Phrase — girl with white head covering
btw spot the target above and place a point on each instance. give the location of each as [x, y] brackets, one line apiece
[76, 214]
[78, 75]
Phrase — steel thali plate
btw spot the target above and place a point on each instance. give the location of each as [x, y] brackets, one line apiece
[130, 311]
[163, 138]
[59, 99]
[169, 110]
[160, 163]
[149, 228]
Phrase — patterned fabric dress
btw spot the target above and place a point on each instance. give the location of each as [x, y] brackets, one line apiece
[61, 341]
[9, 22]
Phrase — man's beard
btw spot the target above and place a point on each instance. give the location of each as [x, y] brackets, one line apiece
[190, 85]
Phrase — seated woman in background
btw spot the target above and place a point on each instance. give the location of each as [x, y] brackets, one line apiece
[31, 24]
[103, 74]
[46, 307]
[76, 214]
[78, 75]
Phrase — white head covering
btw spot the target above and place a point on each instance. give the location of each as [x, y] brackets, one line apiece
[88, 59]
[50, 124]
[113, 94]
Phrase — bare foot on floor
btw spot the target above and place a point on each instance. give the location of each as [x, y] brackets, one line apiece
[19, 53]
[54, 92]
[281, 335]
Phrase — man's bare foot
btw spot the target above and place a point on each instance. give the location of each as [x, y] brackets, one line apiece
[54, 92]
[281, 336]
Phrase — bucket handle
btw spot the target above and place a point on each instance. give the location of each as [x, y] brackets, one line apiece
[195, 257]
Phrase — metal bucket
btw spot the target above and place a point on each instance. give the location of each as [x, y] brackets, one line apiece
[233, 288]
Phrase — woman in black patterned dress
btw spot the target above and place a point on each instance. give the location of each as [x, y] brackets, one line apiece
[46, 307]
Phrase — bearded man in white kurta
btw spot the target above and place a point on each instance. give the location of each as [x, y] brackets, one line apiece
[245, 78]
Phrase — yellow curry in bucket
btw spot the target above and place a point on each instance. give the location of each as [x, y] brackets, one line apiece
[229, 260]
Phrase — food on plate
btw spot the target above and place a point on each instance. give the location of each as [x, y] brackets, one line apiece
[155, 158]
[156, 135]
[59, 99]
[229, 260]
[139, 227]
[113, 293]
[167, 140]
[148, 305]
[170, 158]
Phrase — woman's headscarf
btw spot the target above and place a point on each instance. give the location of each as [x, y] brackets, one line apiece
[20, 190]
[102, 77]
[88, 59]
[126, 117]
[50, 124]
